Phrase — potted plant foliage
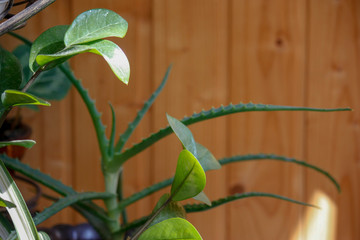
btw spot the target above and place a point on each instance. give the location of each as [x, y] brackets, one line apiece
[50, 51]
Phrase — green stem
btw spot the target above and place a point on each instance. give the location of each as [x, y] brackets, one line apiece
[121, 197]
[111, 180]
[148, 222]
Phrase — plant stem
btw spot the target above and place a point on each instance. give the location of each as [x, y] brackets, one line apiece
[21, 17]
[148, 222]
[111, 180]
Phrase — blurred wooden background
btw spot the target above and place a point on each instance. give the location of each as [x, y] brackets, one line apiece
[276, 52]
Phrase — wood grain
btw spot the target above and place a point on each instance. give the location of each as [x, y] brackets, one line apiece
[194, 39]
[267, 66]
[333, 80]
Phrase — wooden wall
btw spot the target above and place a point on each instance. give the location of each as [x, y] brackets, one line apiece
[277, 52]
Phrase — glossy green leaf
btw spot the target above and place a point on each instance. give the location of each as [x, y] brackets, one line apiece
[171, 229]
[189, 178]
[172, 210]
[10, 71]
[10, 74]
[49, 42]
[206, 159]
[18, 98]
[183, 133]
[23, 143]
[49, 85]
[112, 53]
[95, 24]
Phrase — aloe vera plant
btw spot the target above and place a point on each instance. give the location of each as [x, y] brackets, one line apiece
[49, 52]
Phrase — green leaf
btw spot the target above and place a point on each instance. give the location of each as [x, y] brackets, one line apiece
[50, 85]
[18, 98]
[67, 201]
[20, 214]
[189, 178]
[214, 113]
[270, 157]
[206, 159]
[171, 229]
[5, 227]
[23, 143]
[172, 210]
[112, 53]
[50, 41]
[132, 126]
[203, 198]
[95, 24]
[10, 71]
[203, 207]
[5, 203]
[183, 133]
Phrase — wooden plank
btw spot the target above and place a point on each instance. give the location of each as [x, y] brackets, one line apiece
[193, 36]
[333, 81]
[267, 66]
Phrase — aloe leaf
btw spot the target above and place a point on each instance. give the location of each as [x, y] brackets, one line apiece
[50, 41]
[203, 207]
[269, 157]
[11, 98]
[50, 85]
[95, 24]
[111, 52]
[112, 133]
[183, 133]
[23, 143]
[210, 114]
[171, 229]
[67, 201]
[19, 214]
[141, 194]
[94, 113]
[251, 157]
[191, 208]
[189, 179]
[132, 126]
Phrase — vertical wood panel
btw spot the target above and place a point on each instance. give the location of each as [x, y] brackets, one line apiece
[333, 140]
[267, 66]
[193, 36]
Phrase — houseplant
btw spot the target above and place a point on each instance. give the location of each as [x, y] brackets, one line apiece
[48, 52]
